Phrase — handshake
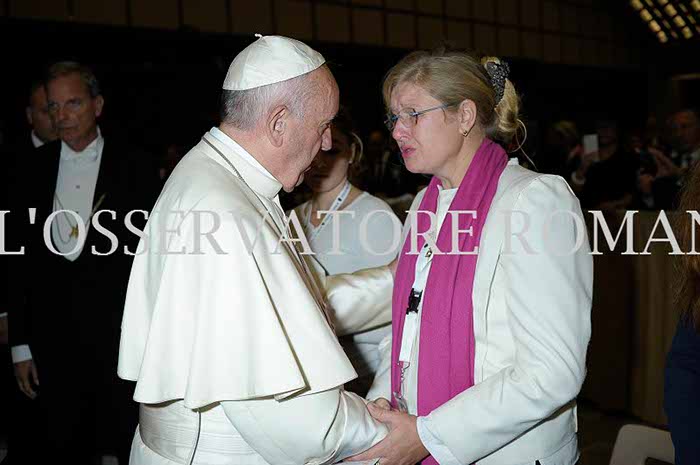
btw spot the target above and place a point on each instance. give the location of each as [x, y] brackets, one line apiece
[402, 446]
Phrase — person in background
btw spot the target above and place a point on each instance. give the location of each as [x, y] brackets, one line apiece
[17, 154]
[685, 137]
[368, 232]
[172, 155]
[682, 376]
[606, 179]
[41, 131]
[19, 159]
[38, 118]
[64, 322]
[660, 186]
[562, 151]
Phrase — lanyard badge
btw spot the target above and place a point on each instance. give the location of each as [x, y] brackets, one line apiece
[410, 327]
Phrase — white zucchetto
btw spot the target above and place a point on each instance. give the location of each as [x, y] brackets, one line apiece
[269, 60]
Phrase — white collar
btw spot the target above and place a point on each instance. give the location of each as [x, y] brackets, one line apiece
[256, 177]
[236, 147]
[36, 142]
[89, 153]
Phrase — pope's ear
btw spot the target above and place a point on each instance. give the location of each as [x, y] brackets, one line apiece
[277, 125]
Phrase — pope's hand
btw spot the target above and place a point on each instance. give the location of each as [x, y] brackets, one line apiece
[402, 446]
[382, 403]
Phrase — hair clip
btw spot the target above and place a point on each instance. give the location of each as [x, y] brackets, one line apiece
[498, 73]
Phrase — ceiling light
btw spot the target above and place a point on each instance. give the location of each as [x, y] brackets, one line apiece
[636, 4]
[679, 21]
[687, 33]
[696, 5]
[646, 16]
[670, 10]
[662, 37]
[654, 26]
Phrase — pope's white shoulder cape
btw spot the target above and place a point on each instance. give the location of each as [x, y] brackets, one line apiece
[216, 309]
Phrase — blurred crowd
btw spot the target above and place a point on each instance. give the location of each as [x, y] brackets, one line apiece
[640, 169]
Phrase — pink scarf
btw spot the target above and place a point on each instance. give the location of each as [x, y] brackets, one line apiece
[446, 356]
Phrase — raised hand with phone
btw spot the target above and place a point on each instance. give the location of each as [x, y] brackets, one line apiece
[606, 177]
[589, 155]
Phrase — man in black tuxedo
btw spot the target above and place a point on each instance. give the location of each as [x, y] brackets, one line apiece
[67, 295]
[18, 156]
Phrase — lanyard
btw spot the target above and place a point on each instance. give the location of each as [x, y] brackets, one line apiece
[412, 321]
[334, 206]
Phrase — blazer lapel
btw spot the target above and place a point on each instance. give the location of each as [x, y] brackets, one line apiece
[490, 247]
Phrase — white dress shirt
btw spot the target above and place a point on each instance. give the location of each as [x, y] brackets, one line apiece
[75, 191]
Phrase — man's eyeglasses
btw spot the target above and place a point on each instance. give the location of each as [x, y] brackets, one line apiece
[409, 116]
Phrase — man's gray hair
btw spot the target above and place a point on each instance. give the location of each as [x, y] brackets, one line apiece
[243, 109]
[65, 68]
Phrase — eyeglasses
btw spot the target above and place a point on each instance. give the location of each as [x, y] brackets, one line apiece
[409, 116]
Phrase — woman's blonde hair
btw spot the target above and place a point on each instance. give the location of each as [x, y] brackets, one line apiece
[452, 77]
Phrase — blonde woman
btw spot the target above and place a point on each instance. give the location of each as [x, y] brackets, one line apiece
[367, 231]
[491, 307]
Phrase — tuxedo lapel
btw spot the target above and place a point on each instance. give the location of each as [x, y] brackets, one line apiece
[48, 185]
[106, 177]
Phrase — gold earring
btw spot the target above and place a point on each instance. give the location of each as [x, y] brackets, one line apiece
[465, 133]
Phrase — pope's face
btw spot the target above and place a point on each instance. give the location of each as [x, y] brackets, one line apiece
[312, 133]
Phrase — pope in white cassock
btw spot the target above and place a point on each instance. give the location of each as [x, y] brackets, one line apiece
[225, 330]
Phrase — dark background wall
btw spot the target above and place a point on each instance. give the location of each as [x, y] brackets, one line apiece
[161, 63]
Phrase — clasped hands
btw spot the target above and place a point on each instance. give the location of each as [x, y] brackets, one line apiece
[402, 446]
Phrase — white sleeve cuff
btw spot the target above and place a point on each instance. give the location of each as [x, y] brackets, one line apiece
[21, 353]
[437, 449]
[3, 315]
[381, 386]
